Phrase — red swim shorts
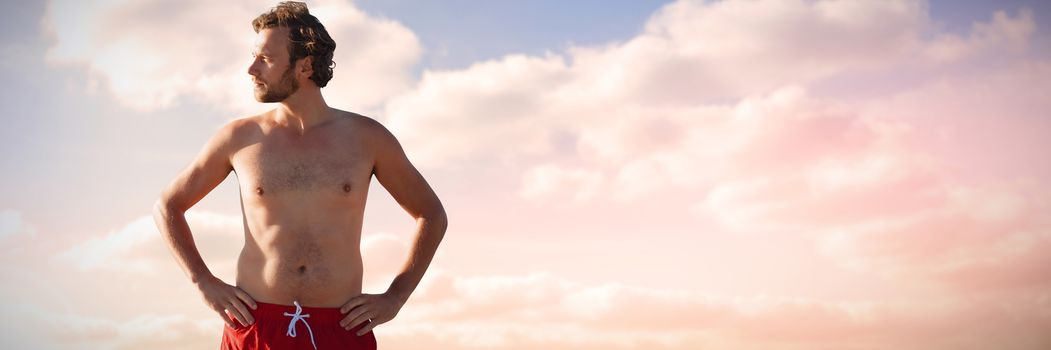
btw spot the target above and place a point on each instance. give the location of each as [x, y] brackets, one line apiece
[293, 327]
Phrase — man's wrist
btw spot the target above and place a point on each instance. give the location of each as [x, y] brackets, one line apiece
[401, 296]
[198, 279]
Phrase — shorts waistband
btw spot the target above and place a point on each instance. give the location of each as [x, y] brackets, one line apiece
[277, 311]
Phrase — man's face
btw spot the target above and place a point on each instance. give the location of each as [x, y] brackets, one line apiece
[273, 75]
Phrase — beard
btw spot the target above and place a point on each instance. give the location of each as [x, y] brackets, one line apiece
[287, 86]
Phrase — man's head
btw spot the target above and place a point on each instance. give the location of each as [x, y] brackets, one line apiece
[292, 49]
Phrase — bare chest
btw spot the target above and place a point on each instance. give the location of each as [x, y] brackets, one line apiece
[276, 166]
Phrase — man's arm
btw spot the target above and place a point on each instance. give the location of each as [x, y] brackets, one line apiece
[207, 171]
[405, 184]
[394, 171]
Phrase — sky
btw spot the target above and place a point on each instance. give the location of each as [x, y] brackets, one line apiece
[618, 174]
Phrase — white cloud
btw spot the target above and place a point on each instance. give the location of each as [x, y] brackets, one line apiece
[152, 54]
[549, 180]
[138, 247]
[496, 105]
[648, 114]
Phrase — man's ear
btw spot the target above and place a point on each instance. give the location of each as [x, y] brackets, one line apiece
[306, 66]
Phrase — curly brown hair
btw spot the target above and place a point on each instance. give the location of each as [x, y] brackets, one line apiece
[306, 35]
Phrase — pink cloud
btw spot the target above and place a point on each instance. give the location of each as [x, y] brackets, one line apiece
[544, 309]
[511, 312]
[654, 127]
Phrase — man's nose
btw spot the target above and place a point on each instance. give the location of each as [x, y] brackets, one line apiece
[252, 70]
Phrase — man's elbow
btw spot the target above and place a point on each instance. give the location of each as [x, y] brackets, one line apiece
[165, 207]
[436, 217]
[161, 211]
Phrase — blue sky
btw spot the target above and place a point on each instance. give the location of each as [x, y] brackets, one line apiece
[459, 33]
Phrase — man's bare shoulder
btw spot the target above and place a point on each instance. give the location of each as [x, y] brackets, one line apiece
[243, 129]
[354, 118]
[364, 126]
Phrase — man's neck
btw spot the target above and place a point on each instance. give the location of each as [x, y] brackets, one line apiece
[303, 110]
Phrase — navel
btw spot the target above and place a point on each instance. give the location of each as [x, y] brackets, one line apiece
[259, 191]
[302, 269]
[346, 187]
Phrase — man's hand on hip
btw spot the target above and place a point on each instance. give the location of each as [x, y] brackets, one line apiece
[227, 300]
[372, 308]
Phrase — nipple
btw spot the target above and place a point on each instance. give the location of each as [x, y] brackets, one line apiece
[346, 187]
[259, 191]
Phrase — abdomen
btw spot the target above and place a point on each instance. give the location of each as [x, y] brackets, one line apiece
[319, 267]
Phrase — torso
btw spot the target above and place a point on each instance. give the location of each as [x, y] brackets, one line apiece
[302, 198]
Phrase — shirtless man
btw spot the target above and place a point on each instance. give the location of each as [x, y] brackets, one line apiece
[303, 170]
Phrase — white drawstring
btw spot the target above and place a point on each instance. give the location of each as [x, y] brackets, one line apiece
[298, 316]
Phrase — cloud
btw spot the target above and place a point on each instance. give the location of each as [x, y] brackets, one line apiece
[1002, 32]
[976, 238]
[647, 107]
[521, 311]
[155, 54]
[543, 181]
[128, 277]
[32, 326]
[51, 304]
[983, 124]
[383, 255]
[829, 190]
[542, 309]
[138, 247]
[720, 100]
[12, 224]
[942, 185]
[478, 104]
[916, 194]
[933, 186]
[647, 117]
